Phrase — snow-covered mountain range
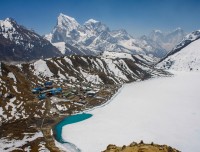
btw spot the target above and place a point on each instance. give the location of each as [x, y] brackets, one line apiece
[94, 37]
[167, 40]
[185, 56]
[17, 43]
[68, 37]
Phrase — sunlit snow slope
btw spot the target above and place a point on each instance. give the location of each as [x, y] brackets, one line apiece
[185, 56]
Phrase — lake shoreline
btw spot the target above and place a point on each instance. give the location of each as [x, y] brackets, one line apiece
[106, 101]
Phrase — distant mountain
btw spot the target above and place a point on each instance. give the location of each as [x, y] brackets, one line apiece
[152, 46]
[94, 37]
[17, 43]
[167, 40]
[185, 56]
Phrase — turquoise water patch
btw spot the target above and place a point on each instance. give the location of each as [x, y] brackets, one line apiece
[69, 120]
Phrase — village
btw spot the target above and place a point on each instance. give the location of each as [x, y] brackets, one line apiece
[69, 98]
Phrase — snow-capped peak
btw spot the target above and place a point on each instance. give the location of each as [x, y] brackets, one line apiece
[96, 26]
[157, 31]
[9, 19]
[67, 22]
[91, 21]
[7, 23]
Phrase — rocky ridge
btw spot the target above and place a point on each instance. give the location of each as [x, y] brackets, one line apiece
[141, 147]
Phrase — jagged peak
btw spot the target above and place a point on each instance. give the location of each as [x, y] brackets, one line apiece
[9, 19]
[61, 15]
[67, 21]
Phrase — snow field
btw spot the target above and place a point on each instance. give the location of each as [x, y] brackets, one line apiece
[162, 110]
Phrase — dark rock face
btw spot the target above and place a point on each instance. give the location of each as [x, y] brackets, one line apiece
[20, 44]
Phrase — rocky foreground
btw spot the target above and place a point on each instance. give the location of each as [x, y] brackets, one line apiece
[141, 147]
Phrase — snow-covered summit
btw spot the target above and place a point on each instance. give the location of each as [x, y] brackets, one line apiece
[91, 21]
[67, 22]
[157, 31]
[7, 23]
[95, 26]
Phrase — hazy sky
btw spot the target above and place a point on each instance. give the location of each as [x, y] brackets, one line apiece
[138, 17]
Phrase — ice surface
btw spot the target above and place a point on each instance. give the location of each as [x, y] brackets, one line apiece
[162, 110]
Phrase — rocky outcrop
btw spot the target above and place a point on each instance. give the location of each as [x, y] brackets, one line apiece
[141, 147]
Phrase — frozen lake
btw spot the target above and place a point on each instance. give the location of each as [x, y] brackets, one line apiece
[162, 110]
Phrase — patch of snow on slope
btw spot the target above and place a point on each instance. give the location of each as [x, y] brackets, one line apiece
[11, 107]
[41, 68]
[114, 69]
[114, 55]
[12, 76]
[1, 114]
[42, 147]
[91, 78]
[10, 145]
[162, 110]
[15, 88]
[60, 46]
[68, 61]
[61, 76]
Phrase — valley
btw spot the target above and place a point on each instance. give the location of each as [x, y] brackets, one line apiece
[85, 86]
[77, 76]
